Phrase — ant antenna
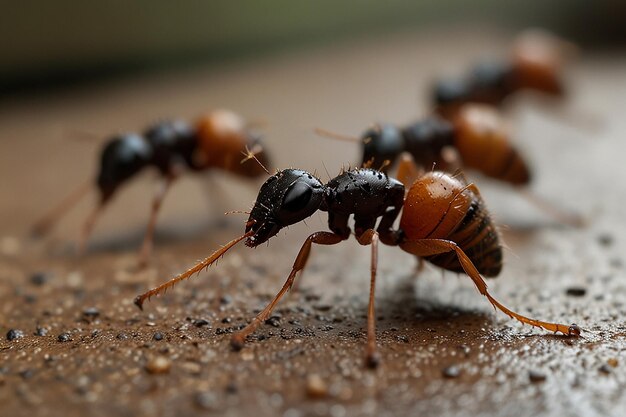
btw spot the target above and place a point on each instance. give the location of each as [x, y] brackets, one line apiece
[251, 154]
[193, 270]
[385, 164]
[333, 135]
[236, 212]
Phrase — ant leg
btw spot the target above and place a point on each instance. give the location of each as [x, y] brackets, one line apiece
[429, 247]
[372, 358]
[44, 224]
[148, 240]
[238, 339]
[90, 221]
[556, 213]
[408, 170]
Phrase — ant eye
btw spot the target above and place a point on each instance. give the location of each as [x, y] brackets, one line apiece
[297, 197]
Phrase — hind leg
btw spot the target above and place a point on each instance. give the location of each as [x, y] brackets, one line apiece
[428, 247]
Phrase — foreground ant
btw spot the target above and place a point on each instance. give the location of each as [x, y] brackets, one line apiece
[536, 63]
[444, 221]
[216, 141]
[476, 138]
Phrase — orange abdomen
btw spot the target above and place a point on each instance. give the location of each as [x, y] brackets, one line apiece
[438, 206]
[482, 141]
[222, 141]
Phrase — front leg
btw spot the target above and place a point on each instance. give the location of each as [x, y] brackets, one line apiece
[321, 238]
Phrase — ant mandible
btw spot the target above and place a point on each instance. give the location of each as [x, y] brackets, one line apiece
[215, 141]
[444, 221]
[476, 137]
[536, 63]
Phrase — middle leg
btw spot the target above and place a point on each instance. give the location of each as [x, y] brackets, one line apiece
[372, 358]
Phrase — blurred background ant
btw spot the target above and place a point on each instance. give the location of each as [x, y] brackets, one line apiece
[475, 138]
[536, 63]
[444, 221]
[217, 140]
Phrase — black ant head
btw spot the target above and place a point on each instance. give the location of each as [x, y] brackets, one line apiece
[382, 143]
[287, 197]
[122, 157]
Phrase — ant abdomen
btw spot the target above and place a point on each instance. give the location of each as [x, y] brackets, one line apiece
[439, 206]
[482, 141]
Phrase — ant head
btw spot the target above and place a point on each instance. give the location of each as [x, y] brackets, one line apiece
[122, 157]
[382, 143]
[287, 197]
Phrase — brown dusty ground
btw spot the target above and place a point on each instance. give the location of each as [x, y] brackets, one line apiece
[308, 360]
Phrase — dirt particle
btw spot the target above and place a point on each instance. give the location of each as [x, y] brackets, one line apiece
[536, 376]
[316, 387]
[201, 322]
[14, 334]
[158, 365]
[231, 388]
[64, 337]
[40, 278]
[605, 369]
[206, 400]
[612, 362]
[41, 331]
[158, 336]
[91, 313]
[451, 371]
[226, 299]
[121, 336]
[273, 321]
[403, 339]
[576, 291]
[27, 373]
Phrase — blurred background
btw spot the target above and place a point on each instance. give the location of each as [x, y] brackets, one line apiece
[45, 44]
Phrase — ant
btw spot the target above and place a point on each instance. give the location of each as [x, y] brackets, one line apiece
[444, 221]
[477, 137]
[215, 141]
[536, 63]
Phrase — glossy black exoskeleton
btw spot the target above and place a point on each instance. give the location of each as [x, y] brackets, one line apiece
[424, 140]
[488, 82]
[292, 195]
